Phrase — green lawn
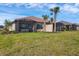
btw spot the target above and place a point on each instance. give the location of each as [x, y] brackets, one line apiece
[39, 43]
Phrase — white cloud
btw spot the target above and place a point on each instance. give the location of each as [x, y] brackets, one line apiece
[41, 5]
[70, 8]
[20, 4]
[27, 5]
[52, 5]
[6, 4]
[12, 4]
[33, 5]
[4, 16]
[77, 4]
[9, 5]
[30, 5]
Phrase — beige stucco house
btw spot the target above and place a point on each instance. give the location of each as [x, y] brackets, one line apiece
[27, 24]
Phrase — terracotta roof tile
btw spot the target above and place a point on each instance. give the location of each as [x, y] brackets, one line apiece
[31, 18]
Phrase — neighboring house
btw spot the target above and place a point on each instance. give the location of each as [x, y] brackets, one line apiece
[75, 26]
[27, 24]
[64, 25]
[1, 27]
[78, 27]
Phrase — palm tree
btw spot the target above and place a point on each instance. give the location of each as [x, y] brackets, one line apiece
[45, 17]
[7, 24]
[54, 11]
[52, 22]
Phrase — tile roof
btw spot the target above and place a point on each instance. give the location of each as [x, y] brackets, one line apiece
[31, 18]
[65, 22]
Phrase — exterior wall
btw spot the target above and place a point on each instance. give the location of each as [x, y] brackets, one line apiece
[59, 26]
[77, 28]
[17, 26]
[32, 26]
[27, 27]
[39, 28]
[49, 28]
[12, 27]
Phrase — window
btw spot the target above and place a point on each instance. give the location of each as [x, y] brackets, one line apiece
[39, 26]
[24, 26]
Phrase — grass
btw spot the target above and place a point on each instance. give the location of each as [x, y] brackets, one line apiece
[39, 43]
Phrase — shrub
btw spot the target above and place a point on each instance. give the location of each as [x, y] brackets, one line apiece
[5, 31]
[8, 32]
[12, 32]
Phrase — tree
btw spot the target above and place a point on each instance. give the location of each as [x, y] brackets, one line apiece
[54, 11]
[52, 22]
[51, 19]
[7, 24]
[45, 17]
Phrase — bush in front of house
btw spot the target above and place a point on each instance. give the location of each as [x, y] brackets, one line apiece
[13, 32]
[6, 31]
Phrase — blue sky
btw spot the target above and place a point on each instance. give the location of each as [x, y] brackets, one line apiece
[68, 11]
